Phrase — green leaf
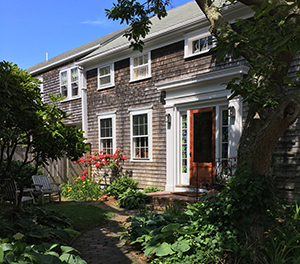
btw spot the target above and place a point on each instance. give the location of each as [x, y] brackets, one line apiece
[33, 256]
[1, 254]
[164, 249]
[187, 230]
[170, 227]
[67, 249]
[150, 249]
[182, 246]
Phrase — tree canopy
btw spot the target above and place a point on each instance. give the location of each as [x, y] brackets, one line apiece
[27, 121]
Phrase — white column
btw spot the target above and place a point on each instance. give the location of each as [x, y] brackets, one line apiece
[235, 126]
[171, 150]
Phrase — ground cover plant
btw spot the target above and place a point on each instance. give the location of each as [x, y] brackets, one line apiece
[36, 235]
[210, 231]
[151, 189]
[121, 185]
[132, 199]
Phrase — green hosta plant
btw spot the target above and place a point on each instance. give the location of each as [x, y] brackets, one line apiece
[18, 251]
[37, 225]
[132, 199]
[151, 189]
[120, 186]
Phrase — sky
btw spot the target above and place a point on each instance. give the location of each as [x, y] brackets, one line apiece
[31, 28]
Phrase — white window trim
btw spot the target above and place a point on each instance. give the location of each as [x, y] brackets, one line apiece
[112, 76]
[188, 44]
[41, 86]
[68, 70]
[140, 111]
[132, 67]
[111, 115]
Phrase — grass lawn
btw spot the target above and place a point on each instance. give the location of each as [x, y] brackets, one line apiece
[82, 215]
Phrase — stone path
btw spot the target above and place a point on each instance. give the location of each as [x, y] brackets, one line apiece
[102, 245]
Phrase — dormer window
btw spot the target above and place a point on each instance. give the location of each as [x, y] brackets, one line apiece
[198, 44]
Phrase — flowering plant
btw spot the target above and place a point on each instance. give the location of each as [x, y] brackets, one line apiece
[102, 160]
[83, 189]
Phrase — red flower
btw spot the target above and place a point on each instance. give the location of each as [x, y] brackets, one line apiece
[97, 165]
[75, 162]
[117, 150]
[82, 177]
[84, 172]
[118, 163]
[115, 156]
[124, 158]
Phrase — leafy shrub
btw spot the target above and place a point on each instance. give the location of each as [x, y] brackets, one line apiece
[120, 185]
[18, 251]
[131, 199]
[174, 209]
[37, 225]
[151, 189]
[21, 176]
[83, 189]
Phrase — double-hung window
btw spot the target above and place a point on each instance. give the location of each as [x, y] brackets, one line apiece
[69, 83]
[106, 76]
[141, 135]
[107, 132]
[198, 44]
[140, 67]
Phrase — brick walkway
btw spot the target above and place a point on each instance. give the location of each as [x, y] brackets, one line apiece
[102, 245]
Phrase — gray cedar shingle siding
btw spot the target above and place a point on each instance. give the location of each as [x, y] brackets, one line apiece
[167, 63]
[51, 85]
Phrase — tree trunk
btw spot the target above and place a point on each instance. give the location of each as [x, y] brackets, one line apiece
[261, 132]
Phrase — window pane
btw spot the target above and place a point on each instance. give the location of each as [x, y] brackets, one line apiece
[140, 125]
[106, 127]
[202, 137]
[141, 61]
[106, 144]
[146, 59]
[141, 72]
[64, 91]
[224, 138]
[135, 62]
[74, 75]
[63, 78]
[104, 80]
[74, 89]
[141, 147]
[184, 143]
[105, 71]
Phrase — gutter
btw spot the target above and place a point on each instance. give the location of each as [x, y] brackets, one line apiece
[65, 59]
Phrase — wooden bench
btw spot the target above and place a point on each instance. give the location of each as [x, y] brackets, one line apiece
[9, 192]
[43, 186]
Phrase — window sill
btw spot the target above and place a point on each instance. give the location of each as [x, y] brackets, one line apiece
[141, 160]
[71, 99]
[105, 87]
[141, 79]
[195, 54]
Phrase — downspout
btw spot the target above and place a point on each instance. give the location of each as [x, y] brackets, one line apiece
[84, 102]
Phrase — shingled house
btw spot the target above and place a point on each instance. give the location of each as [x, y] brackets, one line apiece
[166, 108]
